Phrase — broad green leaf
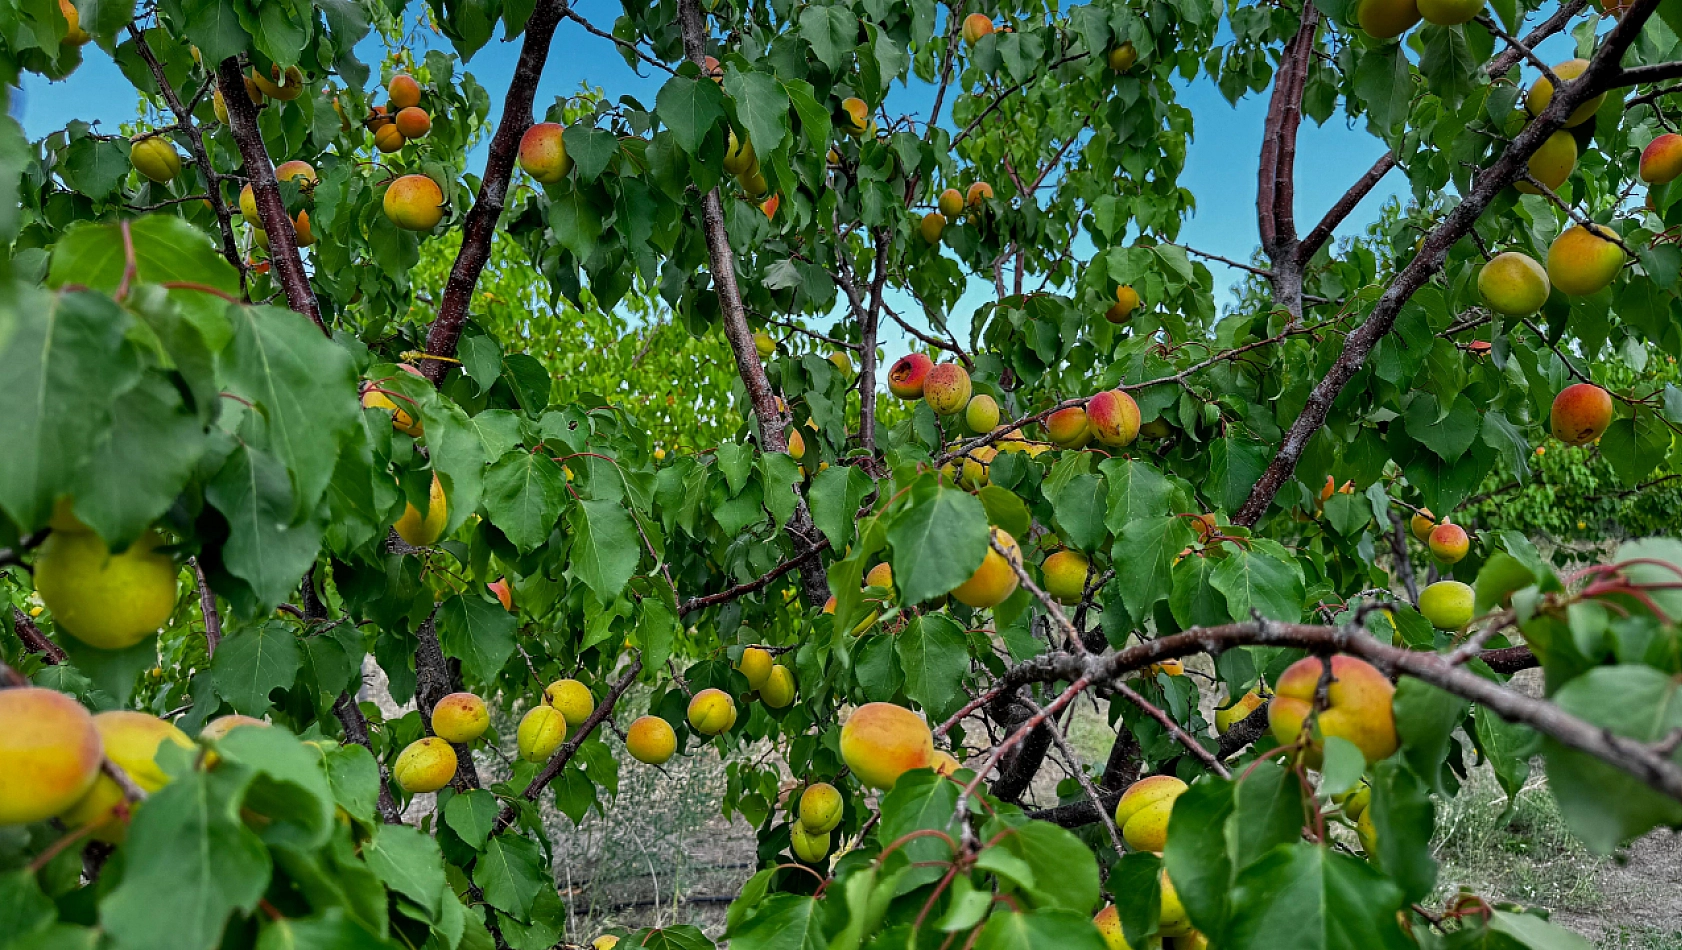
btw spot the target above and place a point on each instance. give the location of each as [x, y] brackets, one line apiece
[1036, 929]
[832, 32]
[1310, 897]
[332, 930]
[591, 149]
[1426, 718]
[1604, 805]
[478, 632]
[253, 661]
[24, 909]
[1260, 576]
[689, 108]
[1193, 600]
[761, 107]
[1079, 504]
[166, 249]
[291, 789]
[835, 497]
[1235, 466]
[472, 815]
[265, 549]
[524, 493]
[1144, 554]
[355, 779]
[1064, 868]
[1267, 812]
[511, 872]
[782, 922]
[920, 801]
[1137, 490]
[604, 547]
[408, 862]
[1404, 817]
[1535, 933]
[938, 542]
[1196, 856]
[1005, 510]
[141, 464]
[934, 653]
[1136, 884]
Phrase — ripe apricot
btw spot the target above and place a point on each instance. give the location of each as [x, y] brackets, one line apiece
[978, 192]
[110, 601]
[946, 388]
[216, 728]
[931, 226]
[1449, 543]
[755, 665]
[770, 206]
[1142, 813]
[284, 85]
[1387, 19]
[504, 594]
[842, 362]
[1108, 922]
[882, 575]
[764, 345]
[711, 711]
[1661, 160]
[1126, 301]
[543, 154]
[862, 625]
[820, 807]
[52, 751]
[906, 377]
[1228, 716]
[1552, 163]
[420, 531]
[944, 763]
[1450, 12]
[976, 25]
[401, 420]
[1114, 418]
[1447, 604]
[1065, 576]
[571, 699]
[857, 119]
[1358, 709]
[881, 741]
[995, 579]
[414, 203]
[739, 158]
[1581, 262]
[425, 765]
[1581, 412]
[1171, 919]
[808, 845]
[951, 202]
[1421, 524]
[155, 158]
[542, 730]
[651, 740]
[778, 690]
[1122, 58]
[403, 92]
[1513, 284]
[299, 171]
[1542, 93]
[460, 717]
[981, 414]
[74, 35]
[301, 233]
[1068, 428]
[413, 122]
[131, 741]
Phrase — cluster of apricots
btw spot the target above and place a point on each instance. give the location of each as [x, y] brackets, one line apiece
[459, 719]
[953, 203]
[57, 752]
[401, 119]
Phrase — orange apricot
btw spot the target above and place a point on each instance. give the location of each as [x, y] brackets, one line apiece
[881, 741]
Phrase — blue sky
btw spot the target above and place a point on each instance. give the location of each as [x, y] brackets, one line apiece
[1220, 165]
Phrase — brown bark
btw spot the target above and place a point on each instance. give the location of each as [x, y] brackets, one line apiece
[435, 678]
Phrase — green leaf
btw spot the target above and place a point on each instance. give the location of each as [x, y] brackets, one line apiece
[1038, 929]
[1425, 720]
[1498, 578]
[472, 815]
[1509, 748]
[1384, 82]
[1005, 510]
[1137, 490]
[832, 32]
[189, 863]
[511, 872]
[524, 493]
[1448, 434]
[1267, 812]
[934, 652]
[1063, 866]
[761, 107]
[408, 861]
[689, 108]
[1534, 933]
[835, 497]
[1261, 576]
[1405, 819]
[1136, 883]
[938, 542]
[920, 801]
[780, 474]
[1194, 601]
[604, 547]
[355, 779]
[59, 373]
[1604, 805]
[814, 118]
[1342, 767]
[1312, 898]
[590, 149]
[332, 930]
[142, 463]
[291, 788]
[1505, 438]
[1635, 445]
[253, 661]
[24, 909]
[1145, 555]
[478, 632]
[782, 922]
[166, 249]
[264, 547]
[1079, 505]
[1235, 466]
[457, 452]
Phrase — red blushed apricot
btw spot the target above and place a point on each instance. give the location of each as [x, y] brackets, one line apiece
[1421, 524]
[908, 374]
[1661, 160]
[946, 388]
[1581, 261]
[414, 203]
[881, 742]
[543, 154]
[995, 579]
[1449, 543]
[460, 717]
[977, 25]
[51, 749]
[504, 593]
[1068, 428]
[1114, 418]
[403, 92]
[1581, 412]
[1358, 707]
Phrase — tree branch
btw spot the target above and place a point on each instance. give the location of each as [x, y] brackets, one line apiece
[764, 580]
[207, 607]
[34, 640]
[434, 679]
[1340, 209]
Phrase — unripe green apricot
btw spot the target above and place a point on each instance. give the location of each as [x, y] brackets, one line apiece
[1447, 604]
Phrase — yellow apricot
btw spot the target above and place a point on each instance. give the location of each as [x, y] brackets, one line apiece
[131, 741]
[1065, 576]
[1108, 922]
[418, 531]
[1448, 605]
[414, 203]
[52, 750]
[1228, 716]
[1552, 163]
[944, 763]
[425, 765]
[460, 717]
[820, 807]
[651, 740]
[401, 419]
[542, 730]
[215, 729]
[995, 579]
[1358, 709]
[571, 699]
[808, 845]
[1387, 19]
[1581, 262]
[881, 741]
[946, 388]
[1171, 920]
[778, 690]
[1448, 543]
[1143, 811]
[1513, 284]
[110, 601]
[1580, 413]
[1542, 93]
[1421, 524]
[155, 158]
[882, 575]
[711, 711]
[755, 664]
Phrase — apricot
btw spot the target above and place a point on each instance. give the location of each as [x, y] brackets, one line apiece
[1358, 707]
[842, 362]
[1108, 922]
[425, 765]
[299, 171]
[460, 717]
[1123, 57]
[1581, 412]
[52, 751]
[995, 579]
[981, 415]
[951, 202]
[74, 35]
[1114, 418]
[1661, 160]
[755, 665]
[155, 158]
[857, 121]
[1126, 301]
[571, 699]
[301, 233]
[215, 729]
[978, 192]
[401, 419]
[377, 119]
[944, 763]
[131, 741]
[1170, 667]
[1157, 428]
[414, 203]
[1387, 19]
[711, 711]
[1171, 919]
[1447, 604]
[1228, 716]
[1450, 12]
[543, 153]
[651, 740]
[1542, 92]
[931, 226]
[770, 206]
[739, 158]
[882, 575]
[285, 86]
[1513, 284]
[764, 345]
[808, 845]
[1142, 813]
[862, 625]
[1421, 524]
[502, 592]
[419, 531]
[110, 601]
[1065, 576]
[604, 942]
[1068, 428]
[906, 377]
[403, 92]
[413, 122]
[778, 690]
[820, 808]
[1448, 543]
[1367, 832]
[248, 204]
[976, 463]
[881, 741]
[946, 388]
[1204, 525]
[976, 25]
[1552, 163]
[1581, 262]
[542, 730]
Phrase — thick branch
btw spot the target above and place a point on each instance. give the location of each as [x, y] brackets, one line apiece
[479, 229]
[34, 640]
[1398, 536]
[1243, 733]
[433, 681]
[1340, 209]
[259, 172]
[1275, 184]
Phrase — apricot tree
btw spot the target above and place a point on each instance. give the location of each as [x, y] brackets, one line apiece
[217, 511]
